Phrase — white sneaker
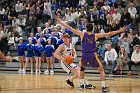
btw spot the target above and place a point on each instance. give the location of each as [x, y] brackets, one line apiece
[36, 71]
[32, 71]
[39, 71]
[20, 71]
[23, 71]
[51, 72]
[46, 72]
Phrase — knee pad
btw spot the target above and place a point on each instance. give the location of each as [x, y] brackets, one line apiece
[82, 68]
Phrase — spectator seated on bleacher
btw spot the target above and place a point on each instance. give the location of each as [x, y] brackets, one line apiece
[122, 60]
[135, 59]
[110, 58]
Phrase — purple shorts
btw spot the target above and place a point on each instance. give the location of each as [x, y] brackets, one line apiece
[90, 59]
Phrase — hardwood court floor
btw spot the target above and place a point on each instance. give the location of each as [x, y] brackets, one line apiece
[15, 83]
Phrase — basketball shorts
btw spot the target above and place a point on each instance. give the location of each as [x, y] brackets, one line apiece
[67, 67]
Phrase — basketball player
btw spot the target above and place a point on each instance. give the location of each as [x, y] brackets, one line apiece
[2, 56]
[89, 56]
[68, 49]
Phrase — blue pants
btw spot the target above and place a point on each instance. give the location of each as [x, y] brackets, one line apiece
[113, 64]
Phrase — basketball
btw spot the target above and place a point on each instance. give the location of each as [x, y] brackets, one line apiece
[68, 59]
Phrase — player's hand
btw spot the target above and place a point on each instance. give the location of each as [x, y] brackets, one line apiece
[63, 59]
[58, 16]
[58, 13]
[123, 29]
[106, 63]
[8, 59]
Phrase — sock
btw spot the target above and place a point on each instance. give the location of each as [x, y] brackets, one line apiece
[82, 81]
[86, 82]
[103, 84]
[71, 80]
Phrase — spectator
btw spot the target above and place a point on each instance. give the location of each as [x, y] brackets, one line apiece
[125, 42]
[24, 11]
[120, 9]
[106, 7]
[30, 25]
[135, 41]
[22, 20]
[18, 7]
[2, 11]
[13, 13]
[1, 33]
[125, 18]
[11, 40]
[47, 8]
[132, 10]
[122, 60]
[32, 11]
[5, 18]
[110, 57]
[15, 21]
[9, 21]
[19, 30]
[135, 59]
[116, 15]
[70, 19]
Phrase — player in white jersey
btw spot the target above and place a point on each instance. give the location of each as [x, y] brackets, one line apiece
[65, 49]
[68, 49]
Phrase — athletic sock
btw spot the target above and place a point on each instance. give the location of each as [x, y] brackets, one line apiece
[103, 84]
[82, 81]
[86, 82]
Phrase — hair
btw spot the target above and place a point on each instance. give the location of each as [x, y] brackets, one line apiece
[89, 27]
[137, 46]
[120, 51]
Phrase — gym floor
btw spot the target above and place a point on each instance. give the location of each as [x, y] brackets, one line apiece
[12, 82]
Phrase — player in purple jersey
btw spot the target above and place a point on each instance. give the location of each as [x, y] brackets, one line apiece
[89, 56]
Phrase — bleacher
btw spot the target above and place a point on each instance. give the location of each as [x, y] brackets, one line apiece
[14, 66]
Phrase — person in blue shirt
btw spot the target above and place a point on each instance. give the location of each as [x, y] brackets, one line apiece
[38, 50]
[53, 40]
[21, 54]
[38, 33]
[60, 41]
[42, 39]
[30, 54]
[49, 49]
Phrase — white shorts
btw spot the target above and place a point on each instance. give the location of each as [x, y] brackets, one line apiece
[68, 68]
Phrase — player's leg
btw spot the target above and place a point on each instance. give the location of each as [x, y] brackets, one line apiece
[51, 65]
[76, 72]
[83, 82]
[67, 68]
[102, 75]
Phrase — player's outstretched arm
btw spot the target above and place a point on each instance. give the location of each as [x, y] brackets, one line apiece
[4, 58]
[111, 33]
[77, 32]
